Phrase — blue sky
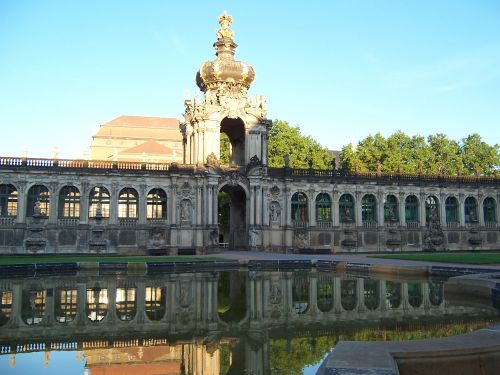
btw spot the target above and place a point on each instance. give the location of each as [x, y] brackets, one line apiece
[339, 69]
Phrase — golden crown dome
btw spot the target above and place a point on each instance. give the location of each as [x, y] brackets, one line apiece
[224, 69]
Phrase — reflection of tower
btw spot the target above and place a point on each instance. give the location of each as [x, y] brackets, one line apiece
[226, 108]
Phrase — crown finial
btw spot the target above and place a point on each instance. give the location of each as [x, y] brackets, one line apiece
[225, 32]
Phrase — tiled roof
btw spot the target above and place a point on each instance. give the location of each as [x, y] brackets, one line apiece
[149, 148]
[143, 121]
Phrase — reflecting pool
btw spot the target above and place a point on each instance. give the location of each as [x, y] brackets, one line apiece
[230, 322]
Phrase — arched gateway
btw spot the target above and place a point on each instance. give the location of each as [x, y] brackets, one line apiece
[80, 206]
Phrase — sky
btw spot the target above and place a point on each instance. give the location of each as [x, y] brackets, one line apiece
[341, 70]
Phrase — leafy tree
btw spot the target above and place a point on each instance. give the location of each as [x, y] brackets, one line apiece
[225, 147]
[286, 139]
[478, 156]
[446, 154]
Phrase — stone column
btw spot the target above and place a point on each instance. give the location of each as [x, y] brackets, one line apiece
[358, 209]
[360, 291]
[215, 205]
[210, 202]
[265, 207]
[172, 202]
[461, 207]
[401, 206]
[442, 210]
[142, 204]
[337, 295]
[423, 197]
[480, 210]
[380, 208]
[113, 204]
[140, 299]
[383, 291]
[311, 208]
[22, 200]
[54, 203]
[252, 205]
[335, 208]
[199, 192]
[84, 203]
[258, 206]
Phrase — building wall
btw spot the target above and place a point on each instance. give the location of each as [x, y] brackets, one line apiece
[191, 218]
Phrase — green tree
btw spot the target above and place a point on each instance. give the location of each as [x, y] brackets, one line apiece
[478, 156]
[225, 147]
[446, 154]
[286, 139]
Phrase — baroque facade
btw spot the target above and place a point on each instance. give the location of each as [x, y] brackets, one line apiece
[77, 206]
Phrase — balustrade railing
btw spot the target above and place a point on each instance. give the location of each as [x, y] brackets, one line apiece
[300, 224]
[490, 224]
[68, 222]
[128, 222]
[371, 224]
[324, 224]
[412, 224]
[7, 221]
[453, 224]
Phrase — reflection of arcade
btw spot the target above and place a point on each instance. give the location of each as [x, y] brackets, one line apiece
[225, 322]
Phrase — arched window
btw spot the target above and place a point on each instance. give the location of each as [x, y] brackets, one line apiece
[431, 208]
[154, 305]
[66, 302]
[346, 208]
[325, 292]
[369, 209]
[414, 294]
[299, 208]
[393, 294]
[69, 202]
[391, 208]
[323, 208]
[38, 195]
[411, 209]
[99, 202]
[300, 293]
[348, 294]
[126, 304]
[8, 200]
[156, 204]
[371, 294]
[451, 208]
[127, 204]
[490, 212]
[470, 208]
[97, 303]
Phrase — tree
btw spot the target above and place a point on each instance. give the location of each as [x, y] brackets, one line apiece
[286, 139]
[478, 156]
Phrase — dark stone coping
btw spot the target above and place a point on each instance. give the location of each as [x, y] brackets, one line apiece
[449, 271]
[279, 264]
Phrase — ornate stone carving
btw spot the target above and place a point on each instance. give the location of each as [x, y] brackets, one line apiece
[274, 212]
[185, 211]
[212, 160]
[301, 238]
[234, 178]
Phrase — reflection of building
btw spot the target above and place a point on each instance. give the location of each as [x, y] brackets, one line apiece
[171, 321]
[113, 205]
[137, 138]
[192, 359]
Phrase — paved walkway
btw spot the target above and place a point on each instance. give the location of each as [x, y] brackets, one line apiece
[245, 256]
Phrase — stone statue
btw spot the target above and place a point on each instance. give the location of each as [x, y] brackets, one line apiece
[252, 237]
[186, 211]
[274, 212]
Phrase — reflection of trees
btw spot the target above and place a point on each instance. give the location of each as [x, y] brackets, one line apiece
[290, 356]
[371, 294]
[393, 294]
[348, 296]
[435, 293]
[325, 293]
[231, 296]
[300, 293]
[414, 294]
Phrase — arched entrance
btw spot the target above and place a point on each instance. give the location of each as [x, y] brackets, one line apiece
[235, 131]
[232, 216]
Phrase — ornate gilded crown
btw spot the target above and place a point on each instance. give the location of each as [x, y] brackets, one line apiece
[224, 70]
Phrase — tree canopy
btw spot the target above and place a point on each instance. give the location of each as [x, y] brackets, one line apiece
[414, 154]
[398, 152]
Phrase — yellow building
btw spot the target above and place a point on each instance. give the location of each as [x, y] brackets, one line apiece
[138, 138]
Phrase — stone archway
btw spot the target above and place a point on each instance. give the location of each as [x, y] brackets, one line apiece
[236, 234]
[235, 131]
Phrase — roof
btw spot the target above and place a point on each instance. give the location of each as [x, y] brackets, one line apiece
[150, 148]
[143, 121]
[140, 127]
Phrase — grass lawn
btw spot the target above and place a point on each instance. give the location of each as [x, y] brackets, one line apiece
[45, 259]
[465, 258]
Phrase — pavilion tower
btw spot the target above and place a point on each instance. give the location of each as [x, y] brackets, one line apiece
[225, 108]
